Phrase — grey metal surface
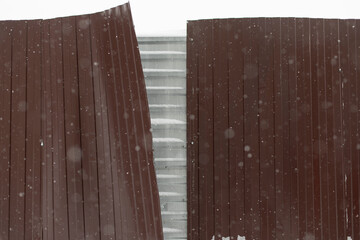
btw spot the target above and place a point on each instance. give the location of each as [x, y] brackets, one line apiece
[164, 65]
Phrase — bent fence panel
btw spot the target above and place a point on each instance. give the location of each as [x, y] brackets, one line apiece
[75, 141]
[273, 128]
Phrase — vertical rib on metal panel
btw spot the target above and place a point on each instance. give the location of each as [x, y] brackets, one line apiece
[5, 125]
[251, 131]
[314, 108]
[285, 171]
[266, 130]
[344, 105]
[33, 133]
[323, 224]
[58, 145]
[72, 130]
[18, 131]
[356, 182]
[88, 135]
[206, 133]
[356, 168]
[236, 130]
[221, 131]
[329, 107]
[294, 197]
[47, 155]
[354, 197]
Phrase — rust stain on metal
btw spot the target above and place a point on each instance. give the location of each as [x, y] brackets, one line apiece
[75, 143]
[273, 126]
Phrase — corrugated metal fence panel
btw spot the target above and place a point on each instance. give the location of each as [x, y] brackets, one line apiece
[162, 59]
[75, 138]
[273, 126]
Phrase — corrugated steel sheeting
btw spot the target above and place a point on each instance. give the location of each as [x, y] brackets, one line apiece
[76, 147]
[273, 128]
[164, 65]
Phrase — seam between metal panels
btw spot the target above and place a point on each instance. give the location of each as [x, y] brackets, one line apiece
[229, 128]
[311, 126]
[213, 122]
[341, 121]
[52, 133]
[258, 122]
[326, 121]
[41, 127]
[274, 123]
[10, 128]
[79, 116]
[357, 94]
[26, 114]
[94, 118]
[64, 119]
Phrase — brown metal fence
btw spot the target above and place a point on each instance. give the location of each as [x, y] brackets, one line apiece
[75, 143]
[273, 128]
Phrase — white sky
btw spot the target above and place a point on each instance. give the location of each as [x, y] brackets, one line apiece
[170, 16]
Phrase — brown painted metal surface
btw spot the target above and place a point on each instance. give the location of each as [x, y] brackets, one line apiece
[273, 128]
[75, 143]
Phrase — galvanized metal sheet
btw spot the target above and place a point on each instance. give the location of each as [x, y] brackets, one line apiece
[163, 58]
[76, 156]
